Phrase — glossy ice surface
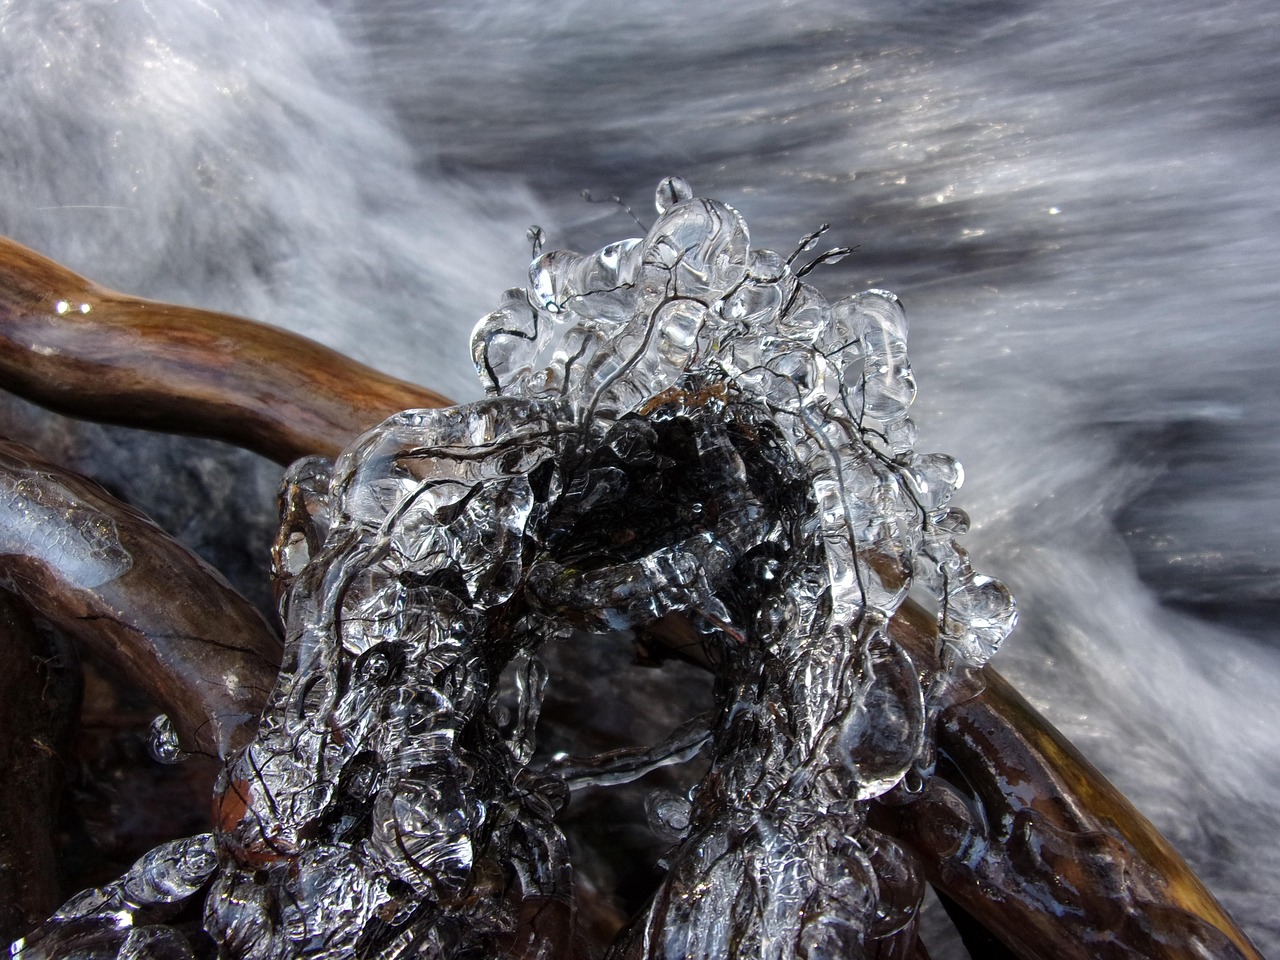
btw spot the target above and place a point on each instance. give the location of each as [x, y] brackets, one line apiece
[677, 425]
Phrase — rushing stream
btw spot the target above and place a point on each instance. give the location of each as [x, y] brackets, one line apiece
[1078, 202]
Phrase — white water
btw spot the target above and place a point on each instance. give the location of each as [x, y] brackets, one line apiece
[1078, 201]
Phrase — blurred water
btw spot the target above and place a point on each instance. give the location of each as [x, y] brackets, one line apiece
[1078, 202]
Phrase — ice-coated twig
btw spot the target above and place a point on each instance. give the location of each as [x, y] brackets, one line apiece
[626, 765]
[680, 429]
[109, 578]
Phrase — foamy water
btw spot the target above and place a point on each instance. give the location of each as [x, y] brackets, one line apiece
[1078, 203]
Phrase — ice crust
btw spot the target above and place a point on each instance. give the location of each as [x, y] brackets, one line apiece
[677, 425]
[44, 519]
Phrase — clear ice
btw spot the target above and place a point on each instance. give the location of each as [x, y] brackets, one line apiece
[677, 424]
[42, 518]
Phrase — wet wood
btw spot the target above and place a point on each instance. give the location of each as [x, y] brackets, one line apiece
[1029, 838]
[40, 691]
[1022, 832]
[108, 577]
[89, 352]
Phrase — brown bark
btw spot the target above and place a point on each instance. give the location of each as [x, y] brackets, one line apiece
[40, 691]
[106, 576]
[1037, 845]
[86, 351]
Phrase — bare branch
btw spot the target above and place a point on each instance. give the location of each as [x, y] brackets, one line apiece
[88, 352]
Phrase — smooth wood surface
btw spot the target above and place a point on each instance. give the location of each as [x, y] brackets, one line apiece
[89, 352]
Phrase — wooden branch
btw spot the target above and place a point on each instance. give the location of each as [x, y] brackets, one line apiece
[109, 578]
[40, 689]
[1037, 845]
[85, 351]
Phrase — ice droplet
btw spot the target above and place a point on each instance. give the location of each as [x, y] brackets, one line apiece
[980, 613]
[671, 190]
[669, 814]
[881, 735]
[697, 248]
[934, 478]
[162, 741]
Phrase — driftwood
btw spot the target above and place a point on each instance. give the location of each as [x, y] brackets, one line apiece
[1029, 838]
[1016, 828]
[86, 351]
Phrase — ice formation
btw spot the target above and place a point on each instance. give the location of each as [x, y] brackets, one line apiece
[677, 425]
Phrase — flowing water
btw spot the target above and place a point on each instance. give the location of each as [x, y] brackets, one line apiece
[1079, 203]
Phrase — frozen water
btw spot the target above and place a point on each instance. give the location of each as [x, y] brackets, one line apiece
[163, 742]
[41, 518]
[445, 547]
[1052, 187]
